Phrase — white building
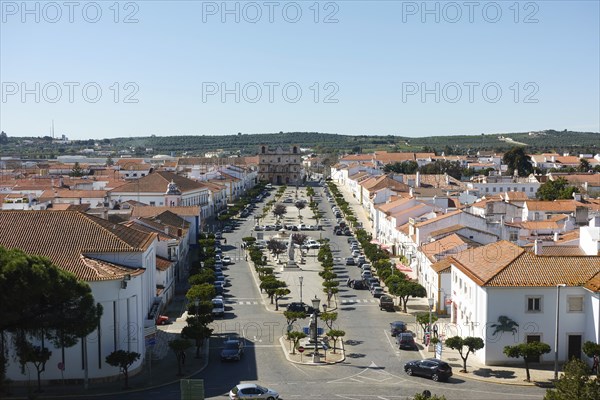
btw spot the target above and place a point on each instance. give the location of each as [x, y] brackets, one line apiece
[117, 262]
[501, 282]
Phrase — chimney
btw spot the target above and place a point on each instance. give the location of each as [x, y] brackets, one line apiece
[418, 179]
[556, 236]
[537, 247]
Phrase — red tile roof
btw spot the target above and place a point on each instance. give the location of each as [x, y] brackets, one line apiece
[71, 239]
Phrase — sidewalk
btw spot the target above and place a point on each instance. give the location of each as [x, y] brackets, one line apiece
[541, 375]
[160, 371]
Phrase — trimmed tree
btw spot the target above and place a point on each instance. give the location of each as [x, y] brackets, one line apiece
[575, 383]
[271, 285]
[334, 334]
[293, 316]
[527, 351]
[123, 359]
[38, 356]
[197, 330]
[329, 318]
[406, 289]
[471, 343]
[592, 349]
[279, 210]
[179, 346]
[294, 337]
[276, 247]
[423, 319]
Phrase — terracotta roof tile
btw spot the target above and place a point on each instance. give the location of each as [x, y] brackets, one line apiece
[69, 238]
[442, 266]
[157, 182]
[553, 206]
[506, 264]
[162, 264]
[151, 211]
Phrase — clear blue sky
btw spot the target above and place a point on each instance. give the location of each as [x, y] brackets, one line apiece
[375, 61]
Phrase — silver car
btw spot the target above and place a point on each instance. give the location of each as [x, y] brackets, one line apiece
[252, 391]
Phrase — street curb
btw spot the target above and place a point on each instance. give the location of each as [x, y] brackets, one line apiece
[206, 350]
[282, 342]
[473, 377]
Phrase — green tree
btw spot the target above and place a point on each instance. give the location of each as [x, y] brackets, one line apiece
[293, 316]
[77, 170]
[294, 337]
[271, 285]
[335, 334]
[329, 318]
[517, 159]
[43, 301]
[38, 356]
[197, 330]
[404, 167]
[276, 247]
[527, 351]
[179, 346]
[110, 162]
[575, 383]
[556, 190]
[584, 165]
[280, 293]
[203, 292]
[123, 359]
[471, 343]
[207, 275]
[592, 349]
[406, 289]
[423, 319]
[3, 138]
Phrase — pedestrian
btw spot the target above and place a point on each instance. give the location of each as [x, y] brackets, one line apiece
[225, 240]
[435, 330]
[595, 365]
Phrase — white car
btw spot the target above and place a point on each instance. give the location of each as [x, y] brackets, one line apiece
[218, 305]
[226, 260]
[252, 391]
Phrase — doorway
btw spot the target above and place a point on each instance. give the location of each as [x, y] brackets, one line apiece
[574, 347]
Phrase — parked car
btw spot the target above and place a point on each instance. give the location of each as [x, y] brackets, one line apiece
[350, 261]
[358, 285]
[252, 391]
[406, 341]
[386, 303]
[432, 368]
[312, 244]
[361, 260]
[355, 253]
[397, 327]
[226, 260]
[377, 291]
[366, 274]
[258, 228]
[232, 349]
[162, 320]
[218, 307]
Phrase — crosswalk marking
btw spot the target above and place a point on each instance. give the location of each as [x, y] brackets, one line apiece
[347, 301]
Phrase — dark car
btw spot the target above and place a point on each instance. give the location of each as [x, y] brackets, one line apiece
[431, 368]
[350, 261]
[406, 341]
[397, 327]
[232, 350]
[358, 285]
[298, 307]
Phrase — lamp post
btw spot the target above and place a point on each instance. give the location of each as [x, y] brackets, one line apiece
[556, 333]
[301, 279]
[316, 302]
[430, 302]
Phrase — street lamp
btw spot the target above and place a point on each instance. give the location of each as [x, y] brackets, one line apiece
[301, 279]
[556, 333]
[430, 302]
[316, 302]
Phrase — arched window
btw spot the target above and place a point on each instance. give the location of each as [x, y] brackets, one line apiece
[263, 149]
[295, 150]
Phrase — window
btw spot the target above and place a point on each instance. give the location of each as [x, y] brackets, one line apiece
[487, 189]
[534, 304]
[531, 188]
[152, 203]
[494, 189]
[575, 303]
[513, 236]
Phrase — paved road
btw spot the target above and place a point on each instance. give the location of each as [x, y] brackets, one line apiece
[373, 367]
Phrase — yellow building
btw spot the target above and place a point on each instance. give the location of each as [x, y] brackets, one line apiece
[279, 166]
